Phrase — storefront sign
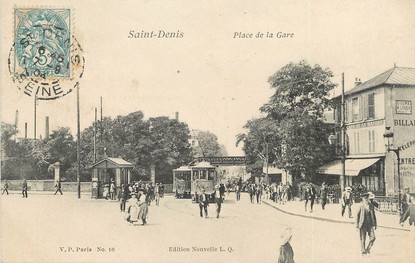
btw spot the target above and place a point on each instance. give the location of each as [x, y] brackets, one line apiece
[403, 107]
[404, 122]
[366, 124]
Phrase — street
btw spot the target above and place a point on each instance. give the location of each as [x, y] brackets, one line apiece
[47, 228]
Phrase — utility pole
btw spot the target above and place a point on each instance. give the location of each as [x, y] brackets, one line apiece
[343, 139]
[95, 136]
[78, 143]
[34, 128]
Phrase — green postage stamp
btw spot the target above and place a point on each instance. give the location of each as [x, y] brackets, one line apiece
[42, 40]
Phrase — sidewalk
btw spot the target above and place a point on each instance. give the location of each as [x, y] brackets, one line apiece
[332, 213]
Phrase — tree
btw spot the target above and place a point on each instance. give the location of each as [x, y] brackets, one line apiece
[261, 141]
[207, 145]
[297, 107]
[160, 141]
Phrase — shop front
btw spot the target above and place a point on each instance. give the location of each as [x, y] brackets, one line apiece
[367, 173]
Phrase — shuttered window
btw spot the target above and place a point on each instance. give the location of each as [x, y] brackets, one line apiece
[371, 106]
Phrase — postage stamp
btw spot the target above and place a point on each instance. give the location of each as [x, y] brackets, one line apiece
[42, 40]
[45, 60]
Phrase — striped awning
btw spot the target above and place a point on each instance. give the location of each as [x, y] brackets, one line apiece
[353, 166]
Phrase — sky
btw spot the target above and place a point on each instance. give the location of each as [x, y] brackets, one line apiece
[215, 81]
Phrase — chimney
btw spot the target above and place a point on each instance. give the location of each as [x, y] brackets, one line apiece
[47, 128]
[357, 82]
[177, 116]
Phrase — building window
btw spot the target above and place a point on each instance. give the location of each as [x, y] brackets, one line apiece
[371, 105]
[371, 182]
[372, 141]
[355, 109]
[356, 139]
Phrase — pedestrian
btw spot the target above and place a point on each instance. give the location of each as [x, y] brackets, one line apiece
[347, 201]
[203, 203]
[279, 192]
[258, 193]
[410, 213]
[309, 196]
[218, 200]
[251, 190]
[222, 190]
[323, 195]
[112, 190]
[58, 187]
[5, 187]
[24, 189]
[161, 190]
[143, 206]
[238, 192]
[132, 208]
[274, 192]
[366, 223]
[286, 251]
[289, 191]
[125, 194]
[405, 200]
[157, 194]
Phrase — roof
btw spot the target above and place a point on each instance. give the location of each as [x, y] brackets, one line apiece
[117, 162]
[393, 76]
[203, 165]
[182, 168]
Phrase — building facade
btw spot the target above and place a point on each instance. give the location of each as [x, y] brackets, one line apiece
[385, 101]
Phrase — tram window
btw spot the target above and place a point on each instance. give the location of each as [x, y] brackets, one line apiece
[195, 175]
[187, 176]
[211, 175]
[203, 174]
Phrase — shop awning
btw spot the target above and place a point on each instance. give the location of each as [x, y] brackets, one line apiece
[353, 166]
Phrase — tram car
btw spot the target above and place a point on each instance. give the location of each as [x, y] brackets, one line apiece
[204, 176]
[182, 182]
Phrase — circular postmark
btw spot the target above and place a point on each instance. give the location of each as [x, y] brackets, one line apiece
[38, 83]
[46, 59]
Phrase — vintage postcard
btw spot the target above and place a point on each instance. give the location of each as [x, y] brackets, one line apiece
[207, 131]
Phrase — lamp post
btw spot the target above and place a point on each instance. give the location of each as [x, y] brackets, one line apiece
[388, 136]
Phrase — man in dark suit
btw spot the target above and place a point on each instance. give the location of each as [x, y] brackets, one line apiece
[24, 189]
[366, 223]
[58, 187]
[406, 200]
[203, 203]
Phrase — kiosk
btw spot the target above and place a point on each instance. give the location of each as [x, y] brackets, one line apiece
[110, 170]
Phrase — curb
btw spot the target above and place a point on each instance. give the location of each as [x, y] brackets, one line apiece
[328, 220]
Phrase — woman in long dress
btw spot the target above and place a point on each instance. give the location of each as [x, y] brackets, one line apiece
[132, 209]
[143, 206]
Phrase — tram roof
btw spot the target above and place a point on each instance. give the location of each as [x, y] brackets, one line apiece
[203, 165]
[182, 168]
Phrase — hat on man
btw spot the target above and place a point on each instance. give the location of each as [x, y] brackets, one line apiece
[348, 188]
[286, 235]
[133, 193]
[365, 194]
[371, 195]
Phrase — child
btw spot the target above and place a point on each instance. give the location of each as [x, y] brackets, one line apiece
[286, 251]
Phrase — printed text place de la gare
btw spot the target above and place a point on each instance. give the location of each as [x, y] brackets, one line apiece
[259, 34]
[155, 34]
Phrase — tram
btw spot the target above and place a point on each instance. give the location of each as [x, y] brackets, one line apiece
[182, 182]
[188, 181]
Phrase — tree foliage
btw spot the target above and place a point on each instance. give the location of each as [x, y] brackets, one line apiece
[294, 126]
[207, 145]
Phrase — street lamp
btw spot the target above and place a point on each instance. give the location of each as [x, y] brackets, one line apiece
[388, 136]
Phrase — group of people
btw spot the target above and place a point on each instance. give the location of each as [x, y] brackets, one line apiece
[204, 200]
[137, 197]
